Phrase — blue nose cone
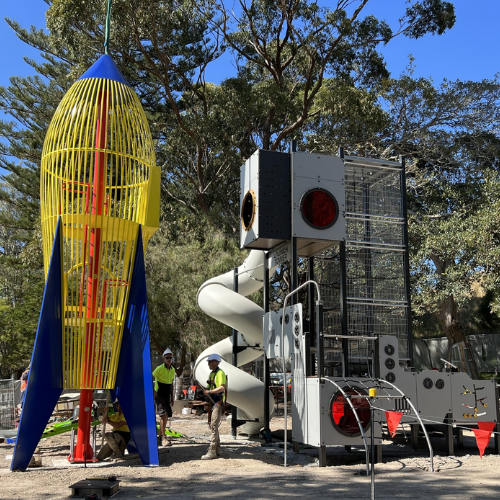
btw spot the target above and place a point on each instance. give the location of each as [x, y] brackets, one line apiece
[104, 67]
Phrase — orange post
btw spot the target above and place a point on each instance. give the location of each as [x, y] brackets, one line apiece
[83, 450]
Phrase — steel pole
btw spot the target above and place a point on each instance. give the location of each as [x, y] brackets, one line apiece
[267, 377]
[234, 410]
[83, 450]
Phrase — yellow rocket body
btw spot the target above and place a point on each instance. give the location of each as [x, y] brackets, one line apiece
[100, 179]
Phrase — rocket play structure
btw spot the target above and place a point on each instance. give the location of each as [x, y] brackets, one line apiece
[100, 196]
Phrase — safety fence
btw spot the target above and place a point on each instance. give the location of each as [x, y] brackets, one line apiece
[7, 405]
[484, 349]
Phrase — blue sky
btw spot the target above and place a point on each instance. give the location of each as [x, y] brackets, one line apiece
[470, 51]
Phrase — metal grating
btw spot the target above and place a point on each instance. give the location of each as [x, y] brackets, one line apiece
[373, 190]
[7, 405]
[327, 273]
[375, 275]
[375, 320]
[376, 261]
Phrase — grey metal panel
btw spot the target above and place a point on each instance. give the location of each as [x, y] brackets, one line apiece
[386, 360]
[263, 243]
[280, 255]
[329, 434]
[311, 171]
[317, 166]
[292, 331]
[403, 380]
[271, 331]
[305, 417]
[433, 403]
[475, 393]
[390, 399]
[305, 411]
[310, 247]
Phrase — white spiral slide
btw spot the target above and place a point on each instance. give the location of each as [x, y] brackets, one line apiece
[217, 299]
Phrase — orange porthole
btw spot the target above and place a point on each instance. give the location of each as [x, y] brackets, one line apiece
[248, 210]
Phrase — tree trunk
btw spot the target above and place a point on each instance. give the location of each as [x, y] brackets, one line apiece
[155, 343]
[447, 318]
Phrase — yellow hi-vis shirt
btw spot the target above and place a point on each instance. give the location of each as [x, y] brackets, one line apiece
[119, 417]
[216, 379]
[161, 374]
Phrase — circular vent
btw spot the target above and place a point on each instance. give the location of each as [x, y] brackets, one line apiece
[389, 349]
[390, 364]
[319, 208]
[342, 416]
[428, 383]
[390, 377]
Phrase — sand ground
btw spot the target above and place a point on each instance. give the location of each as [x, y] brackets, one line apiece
[248, 470]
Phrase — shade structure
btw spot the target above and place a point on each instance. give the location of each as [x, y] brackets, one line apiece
[98, 174]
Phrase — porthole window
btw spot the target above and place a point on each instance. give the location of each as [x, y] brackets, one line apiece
[319, 208]
[342, 416]
[248, 210]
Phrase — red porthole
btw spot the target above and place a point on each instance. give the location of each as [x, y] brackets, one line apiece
[319, 208]
[342, 416]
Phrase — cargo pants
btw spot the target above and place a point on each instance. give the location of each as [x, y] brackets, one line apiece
[217, 411]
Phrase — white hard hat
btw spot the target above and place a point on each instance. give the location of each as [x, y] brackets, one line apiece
[167, 351]
[214, 357]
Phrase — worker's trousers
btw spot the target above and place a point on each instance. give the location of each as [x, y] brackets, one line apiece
[115, 443]
[217, 411]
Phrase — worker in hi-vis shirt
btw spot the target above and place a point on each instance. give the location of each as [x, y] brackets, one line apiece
[164, 376]
[216, 387]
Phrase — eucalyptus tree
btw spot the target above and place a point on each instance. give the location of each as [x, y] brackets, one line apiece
[449, 134]
[283, 50]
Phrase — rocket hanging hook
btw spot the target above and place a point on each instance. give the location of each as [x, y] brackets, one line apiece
[108, 20]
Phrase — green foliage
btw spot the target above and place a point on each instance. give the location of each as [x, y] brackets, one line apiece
[175, 270]
[284, 52]
[21, 288]
[449, 136]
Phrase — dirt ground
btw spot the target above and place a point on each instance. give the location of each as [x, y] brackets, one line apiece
[249, 470]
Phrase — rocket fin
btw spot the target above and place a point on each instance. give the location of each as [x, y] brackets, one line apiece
[45, 380]
[134, 381]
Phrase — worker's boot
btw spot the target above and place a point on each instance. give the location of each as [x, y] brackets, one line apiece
[210, 455]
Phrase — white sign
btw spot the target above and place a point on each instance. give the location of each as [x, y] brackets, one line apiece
[280, 254]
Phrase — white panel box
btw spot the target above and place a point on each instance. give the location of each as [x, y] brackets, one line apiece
[318, 202]
[272, 331]
[314, 423]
